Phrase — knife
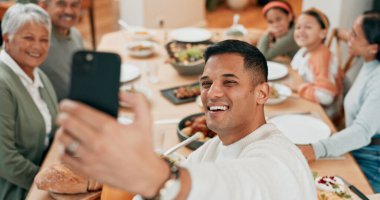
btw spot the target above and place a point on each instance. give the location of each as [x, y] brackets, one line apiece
[354, 189]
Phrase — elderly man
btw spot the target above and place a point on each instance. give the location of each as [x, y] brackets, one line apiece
[65, 40]
[249, 159]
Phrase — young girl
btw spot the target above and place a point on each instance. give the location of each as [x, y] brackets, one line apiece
[279, 39]
[315, 63]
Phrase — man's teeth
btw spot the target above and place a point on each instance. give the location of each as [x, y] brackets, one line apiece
[214, 108]
[34, 54]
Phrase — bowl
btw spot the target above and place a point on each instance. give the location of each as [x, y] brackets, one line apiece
[187, 58]
[278, 94]
[141, 49]
[183, 136]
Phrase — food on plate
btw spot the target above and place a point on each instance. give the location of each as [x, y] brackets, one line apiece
[59, 178]
[141, 47]
[274, 94]
[142, 33]
[198, 124]
[187, 92]
[186, 53]
[331, 188]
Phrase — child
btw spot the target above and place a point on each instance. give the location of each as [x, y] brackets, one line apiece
[315, 63]
[279, 40]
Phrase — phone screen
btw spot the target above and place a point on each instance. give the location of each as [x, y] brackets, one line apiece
[95, 80]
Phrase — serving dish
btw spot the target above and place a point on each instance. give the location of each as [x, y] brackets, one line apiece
[187, 58]
[171, 93]
[192, 124]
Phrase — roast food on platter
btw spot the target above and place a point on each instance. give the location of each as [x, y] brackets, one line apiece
[198, 124]
[61, 181]
[187, 91]
[331, 188]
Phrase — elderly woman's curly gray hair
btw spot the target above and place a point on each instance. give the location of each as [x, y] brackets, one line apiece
[20, 14]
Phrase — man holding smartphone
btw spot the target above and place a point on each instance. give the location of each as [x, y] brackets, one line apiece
[249, 159]
[65, 40]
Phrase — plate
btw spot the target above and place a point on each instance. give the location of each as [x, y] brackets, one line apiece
[191, 35]
[276, 70]
[129, 72]
[282, 90]
[141, 49]
[169, 94]
[301, 129]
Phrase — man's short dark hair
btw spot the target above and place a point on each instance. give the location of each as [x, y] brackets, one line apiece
[254, 60]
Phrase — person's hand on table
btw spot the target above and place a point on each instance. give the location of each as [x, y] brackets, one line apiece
[307, 151]
[112, 153]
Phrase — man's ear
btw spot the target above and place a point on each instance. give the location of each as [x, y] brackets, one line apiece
[6, 40]
[262, 93]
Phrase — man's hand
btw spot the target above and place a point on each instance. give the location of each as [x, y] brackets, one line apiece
[112, 153]
[308, 152]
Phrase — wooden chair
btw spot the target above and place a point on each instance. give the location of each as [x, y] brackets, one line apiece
[340, 38]
[88, 6]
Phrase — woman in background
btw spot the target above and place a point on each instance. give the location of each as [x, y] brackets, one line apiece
[27, 99]
[279, 40]
[315, 63]
[361, 105]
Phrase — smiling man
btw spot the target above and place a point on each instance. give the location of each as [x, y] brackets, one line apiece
[65, 40]
[249, 159]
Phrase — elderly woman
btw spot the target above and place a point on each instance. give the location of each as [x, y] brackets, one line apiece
[27, 99]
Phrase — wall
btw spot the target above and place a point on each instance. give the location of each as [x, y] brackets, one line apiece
[341, 13]
[174, 13]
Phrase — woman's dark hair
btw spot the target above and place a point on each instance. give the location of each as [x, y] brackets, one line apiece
[254, 60]
[371, 28]
[318, 17]
[291, 24]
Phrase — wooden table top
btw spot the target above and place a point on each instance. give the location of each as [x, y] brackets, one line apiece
[163, 109]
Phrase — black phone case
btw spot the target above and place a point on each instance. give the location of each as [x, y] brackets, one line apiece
[95, 80]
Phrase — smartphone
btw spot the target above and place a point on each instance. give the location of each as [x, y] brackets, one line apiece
[95, 80]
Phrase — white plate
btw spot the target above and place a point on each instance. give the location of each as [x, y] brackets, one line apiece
[129, 72]
[191, 35]
[149, 48]
[301, 129]
[276, 70]
[284, 92]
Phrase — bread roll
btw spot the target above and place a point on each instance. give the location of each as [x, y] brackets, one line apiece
[61, 179]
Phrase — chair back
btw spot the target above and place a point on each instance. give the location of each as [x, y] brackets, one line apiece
[340, 40]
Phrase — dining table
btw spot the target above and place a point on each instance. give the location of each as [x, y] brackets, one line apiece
[169, 114]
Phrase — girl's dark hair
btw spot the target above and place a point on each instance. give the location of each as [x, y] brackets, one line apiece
[318, 17]
[254, 60]
[291, 24]
[371, 28]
